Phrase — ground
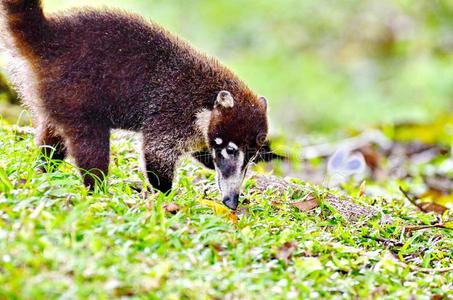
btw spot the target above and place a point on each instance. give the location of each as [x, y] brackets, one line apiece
[56, 241]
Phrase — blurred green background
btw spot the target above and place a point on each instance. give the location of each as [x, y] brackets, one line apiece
[324, 65]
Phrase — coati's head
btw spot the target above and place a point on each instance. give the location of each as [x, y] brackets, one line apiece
[237, 130]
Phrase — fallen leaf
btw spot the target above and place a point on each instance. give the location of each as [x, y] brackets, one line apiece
[424, 206]
[286, 251]
[430, 194]
[216, 247]
[220, 210]
[362, 189]
[307, 205]
[171, 208]
[233, 218]
[276, 203]
[130, 202]
[432, 207]
[445, 200]
[372, 157]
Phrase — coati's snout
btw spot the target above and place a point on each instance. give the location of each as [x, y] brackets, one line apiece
[237, 131]
[231, 167]
[232, 201]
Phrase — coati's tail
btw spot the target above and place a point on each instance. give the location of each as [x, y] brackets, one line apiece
[25, 22]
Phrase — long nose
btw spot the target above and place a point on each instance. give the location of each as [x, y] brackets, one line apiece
[231, 201]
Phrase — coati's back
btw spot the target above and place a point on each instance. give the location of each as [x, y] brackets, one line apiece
[115, 57]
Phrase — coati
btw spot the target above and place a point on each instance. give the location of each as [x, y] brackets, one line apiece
[85, 73]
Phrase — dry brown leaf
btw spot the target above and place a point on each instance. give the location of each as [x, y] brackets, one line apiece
[372, 157]
[286, 251]
[424, 206]
[171, 208]
[432, 207]
[130, 202]
[306, 205]
[233, 217]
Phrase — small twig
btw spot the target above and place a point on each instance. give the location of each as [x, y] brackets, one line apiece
[386, 242]
[415, 228]
[412, 200]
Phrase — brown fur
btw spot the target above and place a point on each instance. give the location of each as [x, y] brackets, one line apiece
[85, 73]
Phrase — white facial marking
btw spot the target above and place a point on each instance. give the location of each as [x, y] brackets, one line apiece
[225, 154]
[203, 119]
[233, 146]
[218, 141]
[213, 153]
[233, 183]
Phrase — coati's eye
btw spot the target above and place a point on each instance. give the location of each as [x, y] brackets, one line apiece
[231, 151]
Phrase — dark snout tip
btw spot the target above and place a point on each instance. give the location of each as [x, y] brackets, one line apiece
[231, 202]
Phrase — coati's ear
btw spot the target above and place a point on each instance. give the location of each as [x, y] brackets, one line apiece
[263, 101]
[224, 99]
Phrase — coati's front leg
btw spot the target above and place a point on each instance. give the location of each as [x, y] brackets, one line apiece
[53, 149]
[160, 157]
[90, 147]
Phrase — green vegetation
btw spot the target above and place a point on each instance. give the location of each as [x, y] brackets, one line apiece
[57, 241]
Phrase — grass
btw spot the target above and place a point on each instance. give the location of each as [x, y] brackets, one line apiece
[58, 242]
